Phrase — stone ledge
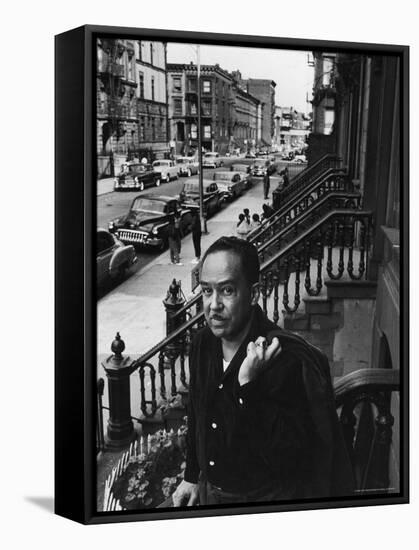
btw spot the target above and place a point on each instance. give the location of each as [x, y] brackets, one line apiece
[296, 321]
[325, 322]
[351, 289]
[317, 304]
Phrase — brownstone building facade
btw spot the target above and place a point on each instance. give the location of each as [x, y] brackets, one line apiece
[216, 107]
[264, 91]
[365, 92]
[131, 102]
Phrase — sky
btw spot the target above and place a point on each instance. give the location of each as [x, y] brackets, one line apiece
[289, 69]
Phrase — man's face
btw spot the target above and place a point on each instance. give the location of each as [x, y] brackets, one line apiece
[227, 296]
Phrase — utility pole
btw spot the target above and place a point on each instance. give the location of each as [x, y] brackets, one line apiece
[201, 184]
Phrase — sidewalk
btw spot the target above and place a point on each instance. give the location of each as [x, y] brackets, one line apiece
[135, 308]
[104, 186]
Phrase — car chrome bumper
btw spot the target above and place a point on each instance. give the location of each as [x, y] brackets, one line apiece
[130, 236]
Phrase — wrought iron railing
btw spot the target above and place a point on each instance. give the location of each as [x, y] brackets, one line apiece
[304, 179]
[330, 182]
[342, 236]
[369, 455]
[288, 227]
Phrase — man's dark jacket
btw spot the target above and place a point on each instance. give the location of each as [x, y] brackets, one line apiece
[280, 429]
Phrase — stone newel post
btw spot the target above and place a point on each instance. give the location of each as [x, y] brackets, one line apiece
[173, 302]
[120, 431]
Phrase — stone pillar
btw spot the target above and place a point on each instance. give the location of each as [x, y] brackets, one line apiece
[120, 430]
[173, 302]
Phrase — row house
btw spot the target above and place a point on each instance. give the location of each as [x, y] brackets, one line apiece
[246, 121]
[292, 128]
[357, 113]
[322, 138]
[216, 107]
[264, 91]
[131, 102]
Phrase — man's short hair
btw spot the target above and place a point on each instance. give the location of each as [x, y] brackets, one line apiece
[246, 252]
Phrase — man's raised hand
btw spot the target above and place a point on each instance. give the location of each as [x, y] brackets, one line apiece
[258, 355]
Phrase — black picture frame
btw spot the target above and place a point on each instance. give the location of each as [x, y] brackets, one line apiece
[75, 205]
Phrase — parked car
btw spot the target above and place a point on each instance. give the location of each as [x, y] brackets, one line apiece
[288, 156]
[260, 167]
[166, 169]
[146, 222]
[189, 196]
[113, 258]
[240, 167]
[187, 166]
[136, 176]
[211, 160]
[299, 159]
[244, 169]
[231, 184]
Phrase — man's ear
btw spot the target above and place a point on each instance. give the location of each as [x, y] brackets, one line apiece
[255, 293]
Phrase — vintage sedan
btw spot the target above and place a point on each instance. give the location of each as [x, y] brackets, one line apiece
[166, 169]
[146, 222]
[136, 176]
[244, 169]
[211, 160]
[187, 166]
[260, 167]
[231, 184]
[113, 258]
[212, 198]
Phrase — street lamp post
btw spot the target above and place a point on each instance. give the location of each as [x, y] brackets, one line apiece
[201, 184]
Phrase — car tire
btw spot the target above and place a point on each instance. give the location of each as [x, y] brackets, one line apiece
[164, 245]
[158, 182]
[188, 173]
[141, 186]
[167, 178]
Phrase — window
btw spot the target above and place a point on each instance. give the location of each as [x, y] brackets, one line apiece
[329, 118]
[151, 52]
[206, 108]
[207, 132]
[141, 84]
[177, 84]
[194, 131]
[130, 68]
[140, 50]
[152, 88]
[192, 87]
[193, 108]
[177, 106]
[327, 71]
[142, 128]
[153, 129]
[206, 86]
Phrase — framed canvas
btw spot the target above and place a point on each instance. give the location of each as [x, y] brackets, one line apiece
[231, 274]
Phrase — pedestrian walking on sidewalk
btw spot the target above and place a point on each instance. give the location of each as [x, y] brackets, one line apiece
[178, 230]
[172, 235]
[266, 185]
[196, 235]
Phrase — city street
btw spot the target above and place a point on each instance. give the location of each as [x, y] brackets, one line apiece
[114, 204]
